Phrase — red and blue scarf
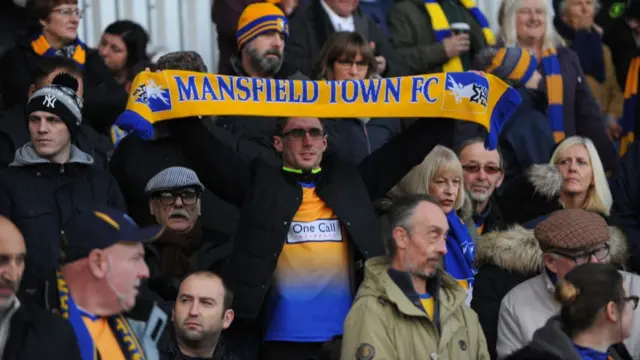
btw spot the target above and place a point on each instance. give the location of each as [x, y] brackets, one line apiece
[76, 51]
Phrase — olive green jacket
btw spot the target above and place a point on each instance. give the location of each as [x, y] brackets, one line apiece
[385, 324]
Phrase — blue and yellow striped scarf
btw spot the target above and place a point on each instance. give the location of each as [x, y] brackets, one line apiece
[41, 46]
[555, 93]
[630, 102]
[125, 336]
[442, 29]
[459, 262]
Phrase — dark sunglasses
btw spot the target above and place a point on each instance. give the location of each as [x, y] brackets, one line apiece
[314, 133]
[600, 253]
[475, 168]
[189, 197]
[633, 299]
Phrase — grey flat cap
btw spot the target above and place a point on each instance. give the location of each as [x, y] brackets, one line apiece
[174, 177]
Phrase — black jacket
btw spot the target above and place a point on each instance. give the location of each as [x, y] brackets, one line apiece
[40, 197]
[552, 343]
[36, 334]
[14, 133]
[104, 99]
[625, 189]
[310, 29]
[353, 140]
[492, 219]
[169, 349]
[269, 198]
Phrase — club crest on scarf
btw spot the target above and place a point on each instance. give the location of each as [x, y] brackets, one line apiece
[156, 97]
[471, 93]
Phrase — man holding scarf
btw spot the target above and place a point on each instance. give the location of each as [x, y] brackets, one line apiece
[97, 286]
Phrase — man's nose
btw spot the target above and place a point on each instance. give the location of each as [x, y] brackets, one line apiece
[193, 309]
[179, 202]
[144, 273]
[593, 259]
[43, 127]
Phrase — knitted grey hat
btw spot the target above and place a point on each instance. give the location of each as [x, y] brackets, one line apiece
[175, 177]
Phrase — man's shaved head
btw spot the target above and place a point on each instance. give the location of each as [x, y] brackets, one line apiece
[12, 259]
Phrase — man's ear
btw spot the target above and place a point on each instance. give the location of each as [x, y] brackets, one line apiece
[277, 143]
[229, 315]
[401, 237]
[500, 179]
[549, 262]
[98, 263]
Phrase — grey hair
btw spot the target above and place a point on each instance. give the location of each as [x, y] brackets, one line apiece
[401, 216]
[563, 6]
[508, 30]
[474, 141]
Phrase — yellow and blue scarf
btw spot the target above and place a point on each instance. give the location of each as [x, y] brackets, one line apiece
[442, 29]
[459, 262]
[76, 51]
[125, 336]
[630, 103]
[172, 94]
[555, 93]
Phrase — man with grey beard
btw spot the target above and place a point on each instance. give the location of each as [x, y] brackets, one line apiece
[406, 295]
[261, 45]
[483, 174]
[185, 246]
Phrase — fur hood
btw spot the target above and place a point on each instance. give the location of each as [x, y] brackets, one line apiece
[516, 249]
[546, 180]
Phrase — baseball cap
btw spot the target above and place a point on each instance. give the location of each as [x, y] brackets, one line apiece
[100, 229]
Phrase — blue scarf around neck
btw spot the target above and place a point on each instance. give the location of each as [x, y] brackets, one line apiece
[461, 252]
[590, 354]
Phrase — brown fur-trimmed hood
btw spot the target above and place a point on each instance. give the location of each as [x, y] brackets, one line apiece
[517, 249]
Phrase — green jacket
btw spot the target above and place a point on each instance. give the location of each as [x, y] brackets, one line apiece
[414, 39]
[385, 324]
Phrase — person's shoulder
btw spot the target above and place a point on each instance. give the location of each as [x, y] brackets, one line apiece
[524, 288]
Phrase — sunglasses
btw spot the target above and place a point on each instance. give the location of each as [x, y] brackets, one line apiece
[360, 65]
[633, 299]
[600, 253]
[475, 168]
[314, 133]
[189, 197]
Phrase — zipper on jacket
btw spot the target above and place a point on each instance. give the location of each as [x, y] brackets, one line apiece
[61, 168]
[366, 136]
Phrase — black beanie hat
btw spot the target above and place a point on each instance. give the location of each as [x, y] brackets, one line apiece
[59, 98]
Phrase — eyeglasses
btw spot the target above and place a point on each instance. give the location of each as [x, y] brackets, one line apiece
[633, 299]
[69, 12]
[475, 168]
[189, 197]
[360, 65]
[314, 133]
[600, 253]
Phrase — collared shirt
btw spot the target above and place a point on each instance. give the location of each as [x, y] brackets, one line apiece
[339, 23]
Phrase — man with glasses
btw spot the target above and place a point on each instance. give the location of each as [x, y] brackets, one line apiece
[185, 246]
[482, 175]
[567, 238]
[304, 228]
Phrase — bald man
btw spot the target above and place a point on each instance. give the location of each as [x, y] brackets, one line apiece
[27, 332]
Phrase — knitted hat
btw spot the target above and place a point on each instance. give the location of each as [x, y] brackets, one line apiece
[259, 18]
[512, 63]
[59, 98]
[572, 229]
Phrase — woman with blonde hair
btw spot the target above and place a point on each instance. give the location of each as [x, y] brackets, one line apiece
[440, 175]
[574, 178]
[572, 109]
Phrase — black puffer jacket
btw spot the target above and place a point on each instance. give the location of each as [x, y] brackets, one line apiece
[40, 197]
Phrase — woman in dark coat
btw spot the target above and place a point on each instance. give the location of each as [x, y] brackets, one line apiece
[54, 32]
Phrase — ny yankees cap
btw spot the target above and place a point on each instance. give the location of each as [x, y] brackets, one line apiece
[59, 98]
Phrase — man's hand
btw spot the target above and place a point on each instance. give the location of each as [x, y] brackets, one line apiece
[381, 62]
[456, 45]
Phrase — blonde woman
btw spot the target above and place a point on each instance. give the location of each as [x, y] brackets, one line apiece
[572, 109]
[440, 175]
[574, 178]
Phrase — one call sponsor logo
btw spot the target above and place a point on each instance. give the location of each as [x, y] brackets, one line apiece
[319, 231]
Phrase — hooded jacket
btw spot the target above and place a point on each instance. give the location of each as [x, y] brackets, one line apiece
[506, 259]
[520, 315]
[40, 197]
[386, 324]
[552, 343]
